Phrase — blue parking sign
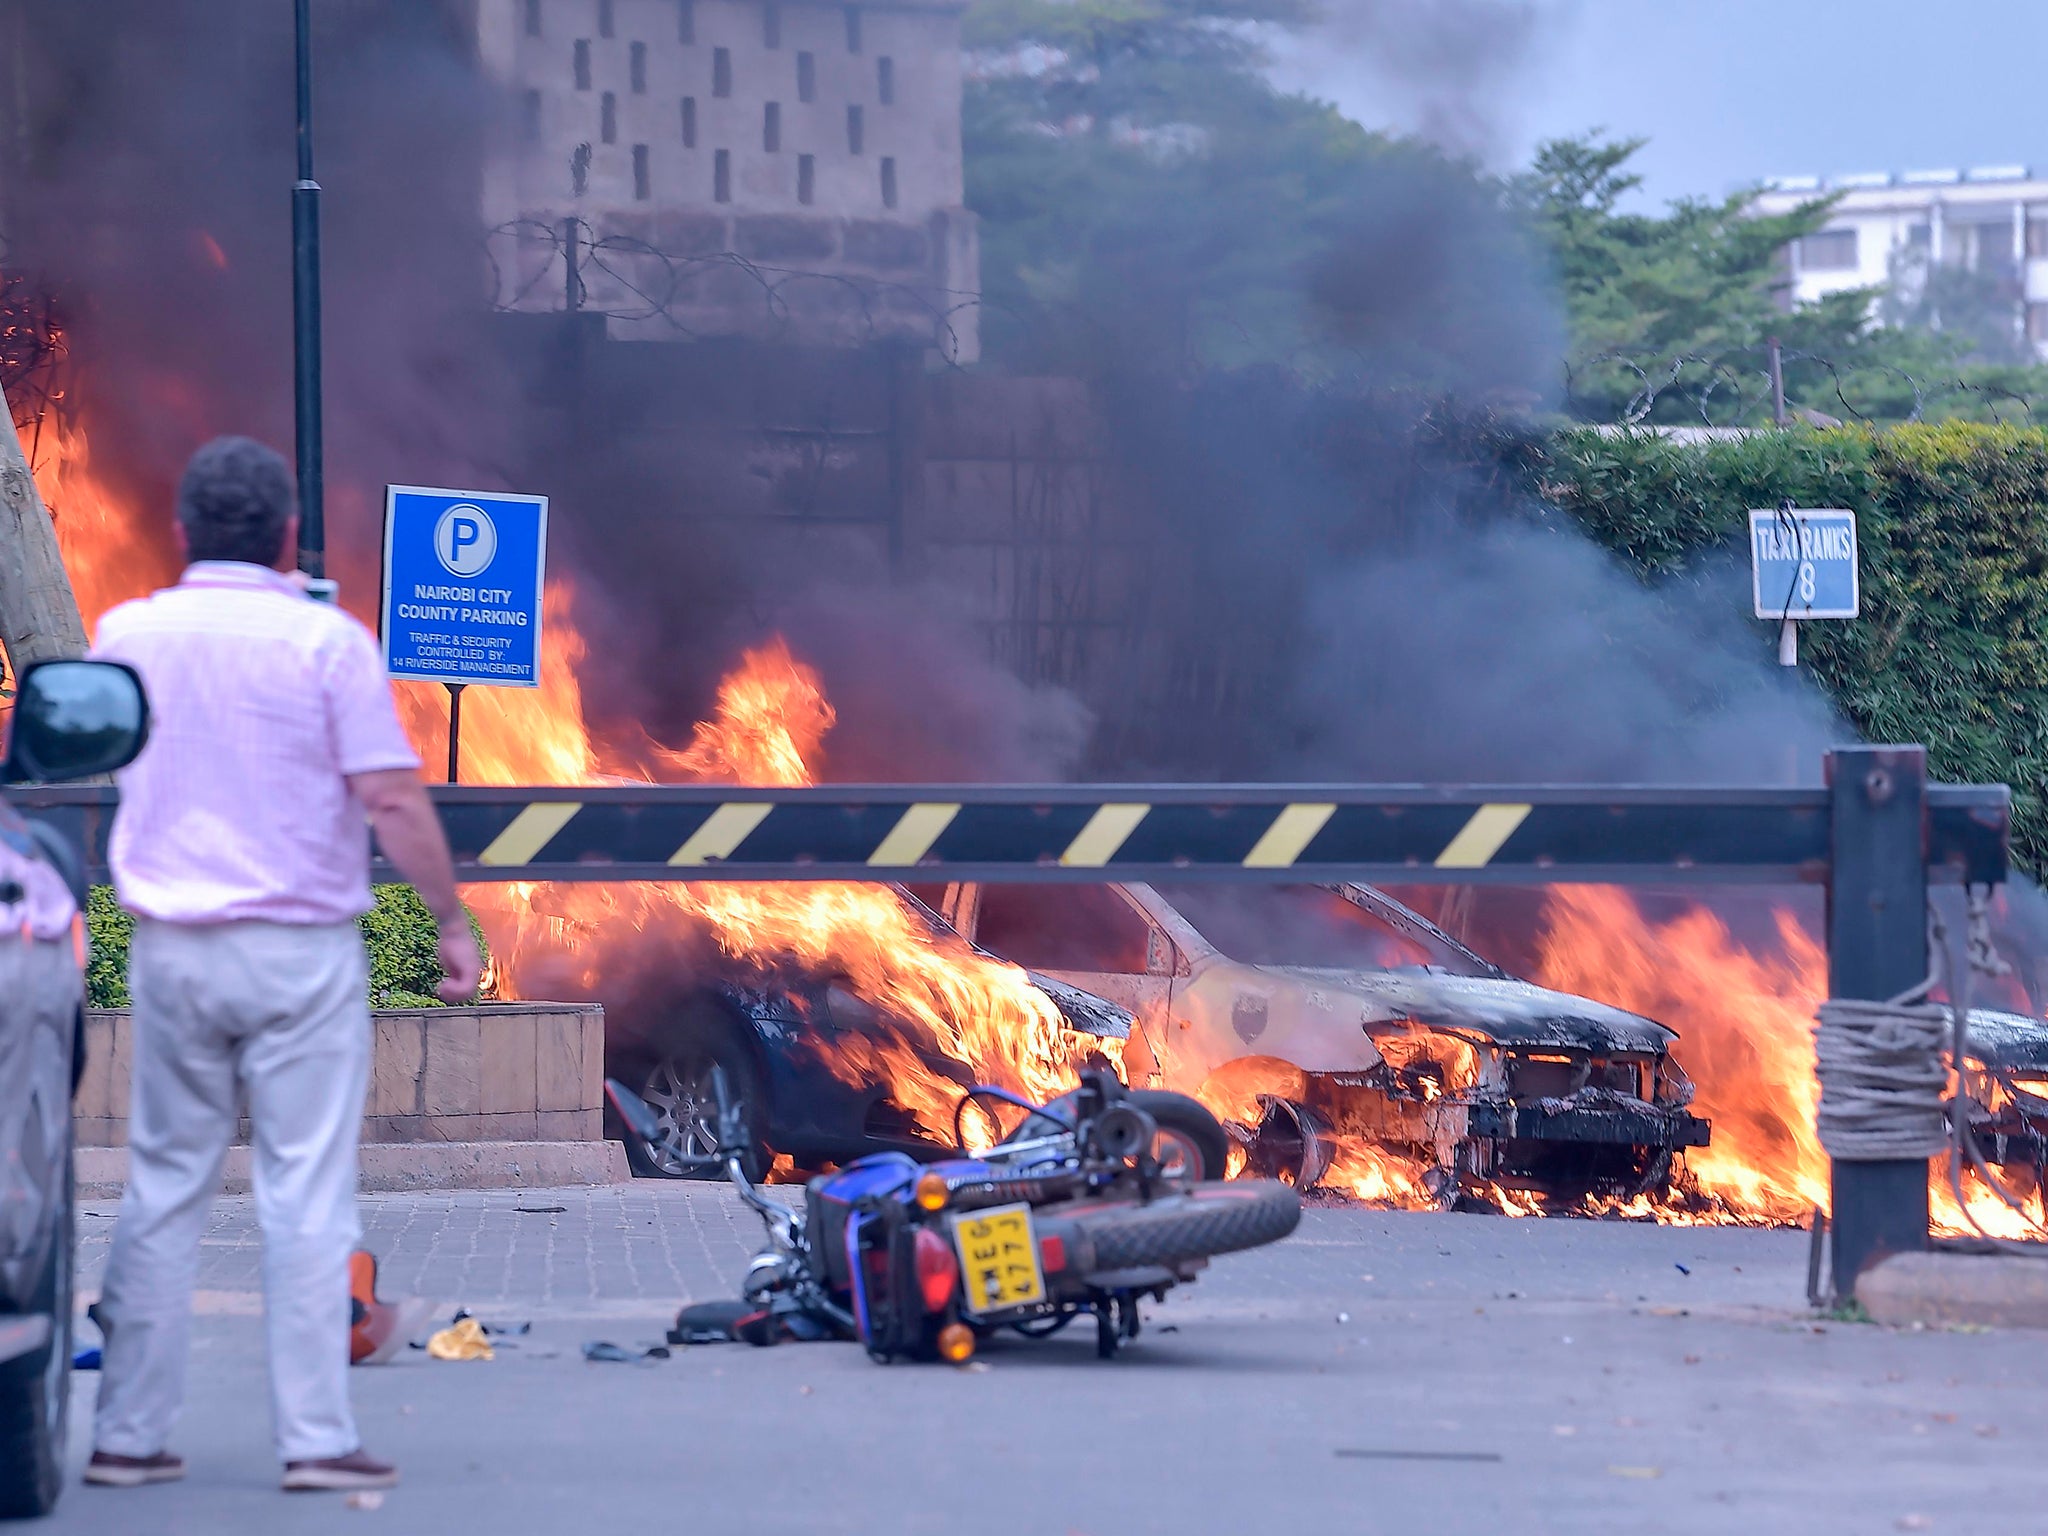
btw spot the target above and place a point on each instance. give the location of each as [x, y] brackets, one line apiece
[463, 576]
[1803, 563]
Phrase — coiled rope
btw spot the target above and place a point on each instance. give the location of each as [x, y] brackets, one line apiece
[1882, 1077]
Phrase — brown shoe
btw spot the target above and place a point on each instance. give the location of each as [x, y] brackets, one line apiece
[110, 1471]
[339, 1474]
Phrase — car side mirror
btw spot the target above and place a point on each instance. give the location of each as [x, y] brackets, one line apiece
[75, 719]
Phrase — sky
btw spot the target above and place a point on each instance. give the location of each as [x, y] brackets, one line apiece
[1729, 92]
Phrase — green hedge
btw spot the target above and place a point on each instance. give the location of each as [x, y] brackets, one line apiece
[399, 932]
[1952, 648]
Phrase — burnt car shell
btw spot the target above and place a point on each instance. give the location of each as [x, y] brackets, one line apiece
[2008, 1089]
[1400, 1034]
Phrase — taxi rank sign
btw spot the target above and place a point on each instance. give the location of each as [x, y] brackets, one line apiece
[1803, 566]
[463, 577]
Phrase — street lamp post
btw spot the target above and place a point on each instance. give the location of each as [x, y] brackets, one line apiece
[306, 318]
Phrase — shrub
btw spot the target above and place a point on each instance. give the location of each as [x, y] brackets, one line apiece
[398, 931]
[1952, 523]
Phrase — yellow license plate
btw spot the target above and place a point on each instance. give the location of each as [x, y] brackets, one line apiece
[998, 1258]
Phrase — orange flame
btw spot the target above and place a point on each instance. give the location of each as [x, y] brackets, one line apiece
[1744, 1016]
[1745, 1023]
[769, 725]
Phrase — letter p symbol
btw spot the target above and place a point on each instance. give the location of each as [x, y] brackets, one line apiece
[465, 540]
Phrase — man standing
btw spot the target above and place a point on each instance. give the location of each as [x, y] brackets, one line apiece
[242, 848]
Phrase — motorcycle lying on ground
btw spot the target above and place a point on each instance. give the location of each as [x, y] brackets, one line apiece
[1070, 1215]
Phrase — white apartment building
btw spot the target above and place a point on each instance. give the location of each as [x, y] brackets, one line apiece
[798, 164]
[1990, 219]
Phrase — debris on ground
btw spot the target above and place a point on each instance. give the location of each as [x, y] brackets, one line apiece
[604, 1351]
[461, 1340]
[365, 1498]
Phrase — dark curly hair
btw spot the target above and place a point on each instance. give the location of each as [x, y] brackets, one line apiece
[234, 502]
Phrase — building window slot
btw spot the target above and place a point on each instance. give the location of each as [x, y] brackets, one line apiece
[1832, 250]
[689, 122]
[533, 18]
[888, 181]
[885, 80]
[771, 25]
[607, 18]
[806, 179]
[721, 71]
[582, 63]
[643, 180]
[639, 68]
[608, 119]
[529, 115]
[853, 29]
[686, 21]
[721, 177]
[771, 127]
[806, 77]
[856, 129]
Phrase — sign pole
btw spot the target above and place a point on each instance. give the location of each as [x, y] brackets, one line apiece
[455, 731]
[306, 318]
[1788, 643]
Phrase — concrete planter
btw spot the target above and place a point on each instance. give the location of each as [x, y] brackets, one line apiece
[498, 1072]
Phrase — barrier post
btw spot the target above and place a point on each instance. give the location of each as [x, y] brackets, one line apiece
[1877, 949]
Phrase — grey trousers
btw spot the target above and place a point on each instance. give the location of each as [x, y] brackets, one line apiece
[279, 1012]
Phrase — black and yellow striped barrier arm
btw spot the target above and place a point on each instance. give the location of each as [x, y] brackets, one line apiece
[1381, 833]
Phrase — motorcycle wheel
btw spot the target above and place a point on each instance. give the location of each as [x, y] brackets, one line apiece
[1191, 1144]
[1196, 1223]
[683, 1089]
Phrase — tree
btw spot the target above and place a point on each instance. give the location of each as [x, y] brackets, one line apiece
[1671, 314]
[1149, 199]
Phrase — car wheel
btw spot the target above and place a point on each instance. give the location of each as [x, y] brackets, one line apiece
[690, 1090]
[35, 1390]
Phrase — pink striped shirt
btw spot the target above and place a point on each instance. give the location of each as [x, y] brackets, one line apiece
[263, 703]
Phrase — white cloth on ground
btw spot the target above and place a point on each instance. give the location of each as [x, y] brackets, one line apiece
[281, 1011]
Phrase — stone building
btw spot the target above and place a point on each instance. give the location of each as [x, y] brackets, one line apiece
[786, 170]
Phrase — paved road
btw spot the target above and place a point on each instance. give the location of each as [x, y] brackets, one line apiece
[1587, 1382]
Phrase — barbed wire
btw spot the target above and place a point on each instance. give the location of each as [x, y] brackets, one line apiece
[32, 351]
[575, 259]
[1735, 388]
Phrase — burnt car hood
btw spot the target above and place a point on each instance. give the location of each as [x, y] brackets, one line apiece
[2008, 1042]
[1084, 1011]
[1500, 1009]
[801, 1003]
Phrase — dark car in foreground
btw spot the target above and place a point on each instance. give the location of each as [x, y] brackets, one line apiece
[802, 1062]
[72, 719]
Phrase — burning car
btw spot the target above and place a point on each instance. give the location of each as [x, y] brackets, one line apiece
[2007, 1087]
[1334, 1022]
[817, 1072]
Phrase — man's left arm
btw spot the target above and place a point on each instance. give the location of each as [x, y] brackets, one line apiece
[383, 773]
